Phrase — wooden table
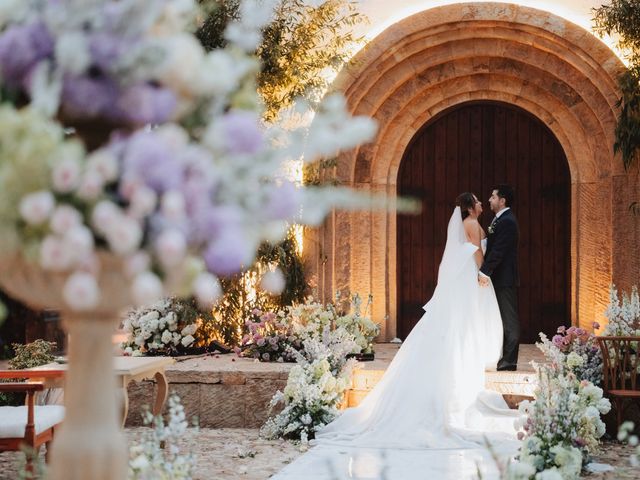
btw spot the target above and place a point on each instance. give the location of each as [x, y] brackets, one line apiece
[127, 369]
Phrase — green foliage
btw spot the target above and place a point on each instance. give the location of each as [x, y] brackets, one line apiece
[621, 18]
[300, 48]
[628, 127]
[241, 297]
[30, 355]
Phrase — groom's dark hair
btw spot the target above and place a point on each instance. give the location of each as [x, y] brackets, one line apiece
[505, 191]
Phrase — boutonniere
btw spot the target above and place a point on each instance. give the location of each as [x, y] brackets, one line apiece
[492, 227]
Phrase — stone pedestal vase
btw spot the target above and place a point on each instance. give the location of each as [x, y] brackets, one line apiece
[90, 444]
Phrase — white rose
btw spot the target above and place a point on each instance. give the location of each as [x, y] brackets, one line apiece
[36, 207]
[188, 340]
[206, 289]
[81, 291]
[591, 412]
[91, 186]
[80, 241]
[140, 463]
[273, 282]
[137, 263]
[124, 236]
[64, 218]
[143, 202]
[189, 329]
[574, 360]
[105, 214]
[183, 56]
[604, 406]
[166, 337]
[104, 163]
[55, 254]
[173, 205]
[171, 247]
[72, 52]
[146, 288]
[66, 175]
[207, 79]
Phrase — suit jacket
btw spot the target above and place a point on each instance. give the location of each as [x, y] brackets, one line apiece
[501, 257]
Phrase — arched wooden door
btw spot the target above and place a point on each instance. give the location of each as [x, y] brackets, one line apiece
[470, 148]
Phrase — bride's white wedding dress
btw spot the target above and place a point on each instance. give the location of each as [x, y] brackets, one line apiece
[433, 395]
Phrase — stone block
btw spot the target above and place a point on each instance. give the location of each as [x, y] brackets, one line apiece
[234, 378]
[222, 406]
[258, 396]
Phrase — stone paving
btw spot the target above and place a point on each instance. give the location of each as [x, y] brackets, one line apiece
[226, 454]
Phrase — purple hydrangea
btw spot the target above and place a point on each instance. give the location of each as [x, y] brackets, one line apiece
[229, 253]
[283, 202]
[148, 160]
[212, 221]
[242, 133]
[106, 49]
[143, 104]
[88, 97]
[21, 48]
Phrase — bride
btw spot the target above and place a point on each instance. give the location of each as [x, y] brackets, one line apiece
[432, 395]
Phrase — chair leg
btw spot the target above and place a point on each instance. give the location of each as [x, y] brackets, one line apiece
[47, 452]
[619, 411]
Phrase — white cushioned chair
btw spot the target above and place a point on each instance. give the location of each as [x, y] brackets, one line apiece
[28, 425]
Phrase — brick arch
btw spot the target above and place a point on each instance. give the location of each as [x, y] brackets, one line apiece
[449, 55]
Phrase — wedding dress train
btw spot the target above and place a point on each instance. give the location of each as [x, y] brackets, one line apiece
[432, 394]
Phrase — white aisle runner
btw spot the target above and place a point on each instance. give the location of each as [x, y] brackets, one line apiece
[331, 462]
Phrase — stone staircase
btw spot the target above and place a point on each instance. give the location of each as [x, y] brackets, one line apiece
[225, 391]
[514, 386]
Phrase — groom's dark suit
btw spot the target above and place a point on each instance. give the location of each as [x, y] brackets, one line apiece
[501, 264]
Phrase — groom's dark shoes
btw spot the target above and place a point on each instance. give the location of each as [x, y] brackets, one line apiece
[502, 367]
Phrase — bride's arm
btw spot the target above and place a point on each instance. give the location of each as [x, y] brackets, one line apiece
[473, 234]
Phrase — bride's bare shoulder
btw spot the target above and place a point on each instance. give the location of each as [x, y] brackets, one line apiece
[471, 228]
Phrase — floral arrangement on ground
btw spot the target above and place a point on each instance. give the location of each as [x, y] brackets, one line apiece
[277, 336]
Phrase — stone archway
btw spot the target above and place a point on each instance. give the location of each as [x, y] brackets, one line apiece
[441, 57]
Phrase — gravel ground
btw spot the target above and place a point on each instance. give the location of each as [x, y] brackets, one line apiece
[225, 454]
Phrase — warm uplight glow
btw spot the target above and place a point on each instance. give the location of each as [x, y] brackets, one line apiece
[575, 11]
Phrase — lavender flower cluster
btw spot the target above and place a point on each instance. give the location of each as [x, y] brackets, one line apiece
[281, 336]
[97, 59]
[177, 204]
[575, 349]
[270, 338]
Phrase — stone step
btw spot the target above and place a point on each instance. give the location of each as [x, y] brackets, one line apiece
[229, 392]
[514, 386]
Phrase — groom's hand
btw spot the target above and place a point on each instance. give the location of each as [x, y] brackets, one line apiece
[483, 280]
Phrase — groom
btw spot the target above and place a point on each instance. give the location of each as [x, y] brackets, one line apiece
[501, 265]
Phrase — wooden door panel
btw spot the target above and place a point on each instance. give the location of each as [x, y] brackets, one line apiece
[471, 148]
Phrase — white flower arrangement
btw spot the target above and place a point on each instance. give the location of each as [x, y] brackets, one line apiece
[623, 314]
[186, 181]
[315, 387]
[562, 427]
[275, 336]
[167, 327]
[158, 455]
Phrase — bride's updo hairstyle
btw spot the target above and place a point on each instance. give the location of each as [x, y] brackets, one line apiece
[465, 201]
